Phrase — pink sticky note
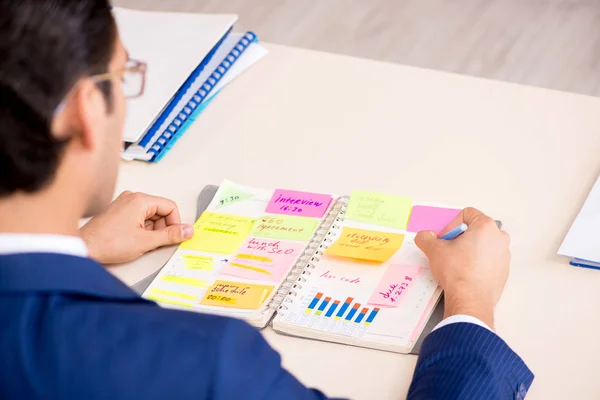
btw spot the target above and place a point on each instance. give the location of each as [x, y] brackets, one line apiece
[301, 204]
[424, 218]
[393, 286]
[263, 259]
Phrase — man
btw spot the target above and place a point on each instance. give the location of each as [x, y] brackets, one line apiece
[70, 330]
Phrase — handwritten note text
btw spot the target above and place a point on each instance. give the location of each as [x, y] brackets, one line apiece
[365, 245]
[394, 284]
[236, 295]
[263, 259]
[302, 204]
[379, 209]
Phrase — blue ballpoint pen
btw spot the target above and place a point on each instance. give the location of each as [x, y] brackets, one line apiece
[459, 230]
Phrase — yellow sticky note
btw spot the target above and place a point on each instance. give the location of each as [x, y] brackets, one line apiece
[160, 299]
[366, 245]
[182, 280]
[380, 209]
[197, 262]
[170, 293]
[218, 233]
[237, 295]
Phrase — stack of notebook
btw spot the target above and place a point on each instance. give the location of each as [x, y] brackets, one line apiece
[190, 57]
[333, 268]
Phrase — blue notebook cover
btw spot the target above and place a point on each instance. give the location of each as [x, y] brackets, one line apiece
[159, 146]
[580, 262]
[175, 100]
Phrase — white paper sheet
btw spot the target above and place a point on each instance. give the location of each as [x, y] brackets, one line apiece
[583, 239]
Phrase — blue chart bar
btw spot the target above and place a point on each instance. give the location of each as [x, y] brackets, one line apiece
[371, 316]
[314, 302]
[344, 308]
[332, 308]
[323, 305]
[362, 314]
[355, 308]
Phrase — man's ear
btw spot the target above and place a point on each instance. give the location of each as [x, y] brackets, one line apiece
[83, 115]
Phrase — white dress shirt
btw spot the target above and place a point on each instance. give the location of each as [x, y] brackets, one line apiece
[15, 243]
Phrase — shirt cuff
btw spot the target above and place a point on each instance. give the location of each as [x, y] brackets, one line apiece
[461, 318]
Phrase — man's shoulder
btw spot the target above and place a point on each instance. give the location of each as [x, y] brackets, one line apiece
[153, 324]
[127, 347]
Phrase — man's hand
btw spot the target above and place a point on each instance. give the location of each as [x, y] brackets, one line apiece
[134, 224]
[473, 268]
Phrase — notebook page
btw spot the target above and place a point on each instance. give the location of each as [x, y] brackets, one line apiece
[173, 45]
[370, 300]
[241, 246]
[353, 282]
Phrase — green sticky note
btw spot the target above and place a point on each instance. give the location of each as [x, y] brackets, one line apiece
[284, 227]
[230, 194]
[379, 209]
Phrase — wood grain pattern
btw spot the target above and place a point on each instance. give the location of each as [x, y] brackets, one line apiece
[548, 43]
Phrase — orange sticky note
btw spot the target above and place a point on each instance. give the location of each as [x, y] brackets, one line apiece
[237, 295]
[366, 245]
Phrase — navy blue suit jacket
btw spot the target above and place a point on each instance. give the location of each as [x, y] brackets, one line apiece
[70, 330]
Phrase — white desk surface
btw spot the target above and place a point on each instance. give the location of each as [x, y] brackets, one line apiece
[314, 121]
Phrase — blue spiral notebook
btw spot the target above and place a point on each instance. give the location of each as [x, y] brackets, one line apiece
[231, 56]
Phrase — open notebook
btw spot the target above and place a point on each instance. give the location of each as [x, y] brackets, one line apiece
[329, 267]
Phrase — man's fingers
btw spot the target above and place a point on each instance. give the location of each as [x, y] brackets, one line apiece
[427, 241]
[467, 216]
[159, 224]
[172, 234]
[158, 206]
[124, 194]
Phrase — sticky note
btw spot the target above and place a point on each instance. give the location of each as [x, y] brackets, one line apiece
[197, 262]
[160, 299]
[229, 194]
[365, 245]
[173, 294]
[182, 280]
[284, 227]
[300, 204]
[236, 295]
[394, 285]
[424, 218]
[379, 209]
[264, 259]
[218, 233]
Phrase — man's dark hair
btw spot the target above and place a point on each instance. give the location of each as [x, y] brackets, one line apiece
[46, 46]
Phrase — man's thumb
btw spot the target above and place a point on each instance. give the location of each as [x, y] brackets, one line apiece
[172, 234]
[426, 241]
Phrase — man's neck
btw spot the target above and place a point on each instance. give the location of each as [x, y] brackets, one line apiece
[48, 211]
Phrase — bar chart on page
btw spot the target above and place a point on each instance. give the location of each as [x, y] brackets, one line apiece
[347, 310]
[334, 313]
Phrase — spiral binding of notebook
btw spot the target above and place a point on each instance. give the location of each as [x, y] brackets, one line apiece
[320, 241]
[174, 129]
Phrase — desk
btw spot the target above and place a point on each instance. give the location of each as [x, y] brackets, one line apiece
[320, 122]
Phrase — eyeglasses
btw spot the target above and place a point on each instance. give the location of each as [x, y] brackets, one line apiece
[133, 77]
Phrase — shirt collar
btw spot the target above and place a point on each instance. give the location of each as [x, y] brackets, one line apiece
[16, 243]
